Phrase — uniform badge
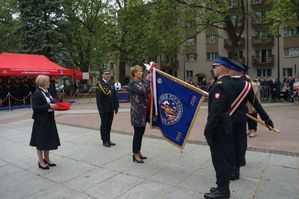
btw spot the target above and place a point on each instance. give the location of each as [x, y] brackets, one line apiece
[219, 82]
[217, 95]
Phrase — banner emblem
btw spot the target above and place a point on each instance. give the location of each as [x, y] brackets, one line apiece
[171, 109]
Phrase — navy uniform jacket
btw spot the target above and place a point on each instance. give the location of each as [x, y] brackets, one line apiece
[239, 116]
[107, 100]
[220, 99]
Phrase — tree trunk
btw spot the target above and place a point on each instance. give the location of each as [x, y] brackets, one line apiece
[122, 67]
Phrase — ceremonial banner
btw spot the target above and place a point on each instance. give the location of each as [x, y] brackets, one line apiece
[174, 106]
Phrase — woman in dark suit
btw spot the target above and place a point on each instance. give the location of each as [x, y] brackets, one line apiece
[44, 131]
[138, 91]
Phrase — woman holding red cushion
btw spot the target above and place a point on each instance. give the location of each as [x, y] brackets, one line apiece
[44, 134]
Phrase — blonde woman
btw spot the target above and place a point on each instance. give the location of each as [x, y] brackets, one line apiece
[138, 90]
[44, 134]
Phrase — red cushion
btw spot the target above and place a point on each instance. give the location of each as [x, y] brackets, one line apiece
[62, 106]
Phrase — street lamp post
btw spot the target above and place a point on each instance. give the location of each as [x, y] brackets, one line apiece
[184, 59]
[278, 59]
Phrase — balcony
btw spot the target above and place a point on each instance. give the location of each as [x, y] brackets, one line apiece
[263, 62]
[241, 60]
[258, 23]
[258, 4]
[190, 49]
[291, 42]
[169, 65]
[228, 44]
[234, 6]
[262, 42]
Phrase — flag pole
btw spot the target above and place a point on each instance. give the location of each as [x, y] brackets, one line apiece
[262, 123]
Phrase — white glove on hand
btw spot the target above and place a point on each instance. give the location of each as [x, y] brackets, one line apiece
[150, 66]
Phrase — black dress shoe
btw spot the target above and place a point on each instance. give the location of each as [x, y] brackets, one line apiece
[218, 194]
[213, 189]
[106, 144]
[137, 161]
[51, 165]
[243, 163]
[40, 166]
[111, 143]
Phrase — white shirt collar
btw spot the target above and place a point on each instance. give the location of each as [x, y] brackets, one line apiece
[236, 76]
[45, 90]
[222, 76]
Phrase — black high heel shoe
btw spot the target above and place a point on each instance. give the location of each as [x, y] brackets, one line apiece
[40, 166]
[138, 161]
[51, 165]
[143, 157]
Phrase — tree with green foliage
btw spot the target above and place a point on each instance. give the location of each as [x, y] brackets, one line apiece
[282, 15]
[89, 31]
[9, 23]
[144, 31]
[41, 33]
[228, 16]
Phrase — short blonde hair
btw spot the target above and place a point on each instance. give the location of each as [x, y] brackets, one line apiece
[134, 69]
[41, 80]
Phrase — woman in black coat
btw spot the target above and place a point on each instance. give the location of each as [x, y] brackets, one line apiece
[138, 91]
[44, 131]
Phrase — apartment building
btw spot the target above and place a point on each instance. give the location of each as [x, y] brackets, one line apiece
[267, 56]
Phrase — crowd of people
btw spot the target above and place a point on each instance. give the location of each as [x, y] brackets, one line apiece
[270, 88]
[274, 90]
[18, 87]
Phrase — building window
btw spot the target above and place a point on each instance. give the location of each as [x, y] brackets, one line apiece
[291, 52]
[264, 72]
[191, 41]
[189, 74]
[191, 57]
[263, 53]
[233, 3]
[259, 17]
[238, 54]
[190, 23]
[261, 14]
[291, 32]
[256, 1]
[261, 35]
[211, 39]
[212, 56]
[286, 72]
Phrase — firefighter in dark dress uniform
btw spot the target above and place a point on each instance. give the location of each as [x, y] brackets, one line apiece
[219, 128]
[107, 103]
[239, 138]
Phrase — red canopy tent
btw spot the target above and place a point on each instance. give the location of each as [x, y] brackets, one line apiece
[13, 64]
[78, 74]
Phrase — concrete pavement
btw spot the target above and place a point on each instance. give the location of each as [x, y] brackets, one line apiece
[284, 116]
[86, 169]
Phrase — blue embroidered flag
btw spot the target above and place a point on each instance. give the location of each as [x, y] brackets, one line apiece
[174, 107]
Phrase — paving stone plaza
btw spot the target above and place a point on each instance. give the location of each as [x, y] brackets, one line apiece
[86, 169]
